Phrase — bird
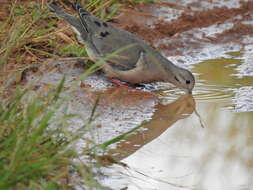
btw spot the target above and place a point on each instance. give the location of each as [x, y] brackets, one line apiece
[127, 57]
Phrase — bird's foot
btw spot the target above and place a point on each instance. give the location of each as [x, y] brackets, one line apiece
[118, 83]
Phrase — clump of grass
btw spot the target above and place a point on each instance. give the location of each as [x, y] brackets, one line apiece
[36, 153]
[31, 33]
[32, 155]
[31, 30]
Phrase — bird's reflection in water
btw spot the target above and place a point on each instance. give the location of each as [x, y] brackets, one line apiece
[163, 118]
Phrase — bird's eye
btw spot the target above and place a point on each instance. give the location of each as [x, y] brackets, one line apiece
[187, 81]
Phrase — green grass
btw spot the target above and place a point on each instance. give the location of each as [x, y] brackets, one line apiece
[32, 155]
[37, 149]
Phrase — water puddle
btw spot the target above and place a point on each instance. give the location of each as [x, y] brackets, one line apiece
[191, 142]
[187, 156]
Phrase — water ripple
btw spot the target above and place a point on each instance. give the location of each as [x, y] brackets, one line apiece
[201, 92]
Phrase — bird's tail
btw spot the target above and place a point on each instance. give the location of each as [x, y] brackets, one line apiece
[78, 24]
[82, 14]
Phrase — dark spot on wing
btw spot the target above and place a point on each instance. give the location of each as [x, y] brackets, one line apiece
[176, 79]
[104, 34]
[187, 81]
[97, 23]
[105, 24]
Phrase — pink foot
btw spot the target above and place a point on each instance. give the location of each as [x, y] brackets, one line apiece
[118, 83]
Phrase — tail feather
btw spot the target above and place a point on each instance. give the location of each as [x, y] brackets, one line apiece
[80, 9]
[82, 14]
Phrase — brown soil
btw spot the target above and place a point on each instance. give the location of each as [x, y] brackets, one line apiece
[187, 21]
[3, 6]
[200, 19]
[235, 33]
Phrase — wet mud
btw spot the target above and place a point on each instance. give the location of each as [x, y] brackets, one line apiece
[185, 21]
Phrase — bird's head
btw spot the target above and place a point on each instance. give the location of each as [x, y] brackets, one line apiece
[182, 78]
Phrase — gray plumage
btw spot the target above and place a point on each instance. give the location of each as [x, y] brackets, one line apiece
[135, 62]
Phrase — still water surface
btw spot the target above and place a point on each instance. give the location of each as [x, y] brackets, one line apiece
[192, 142]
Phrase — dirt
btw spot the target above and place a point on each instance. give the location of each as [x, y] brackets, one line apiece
[236, 33]
[132, 20]
[3, 13]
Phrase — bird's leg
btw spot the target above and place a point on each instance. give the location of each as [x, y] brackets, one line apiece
[118, 83]
[115, 81]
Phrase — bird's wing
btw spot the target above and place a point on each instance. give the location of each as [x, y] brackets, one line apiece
[105, 39]
[141, 73]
